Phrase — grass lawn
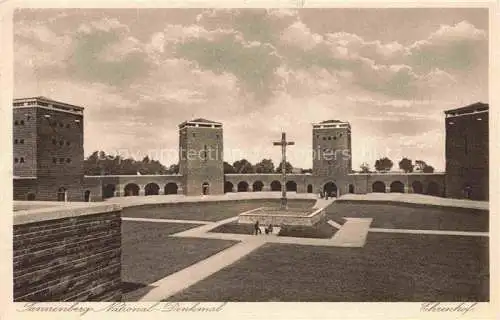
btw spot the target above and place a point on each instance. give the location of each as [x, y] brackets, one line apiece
[403, 216]
[206, 211]
[234, 227]
[391, 267]
[149, 254]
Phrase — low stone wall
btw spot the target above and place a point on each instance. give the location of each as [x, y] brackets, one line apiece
[68, 253]
[276, 219]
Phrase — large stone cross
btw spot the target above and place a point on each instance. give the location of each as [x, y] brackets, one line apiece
[283, 143]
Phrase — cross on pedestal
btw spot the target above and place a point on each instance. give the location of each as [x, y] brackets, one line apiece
[283, 143]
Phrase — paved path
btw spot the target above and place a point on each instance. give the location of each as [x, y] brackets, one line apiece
[189, 276]
[166, 220]
[323, 203]
[418, 199]
[334, 224]
[437, 232]
[178, 198]
[352, 233]
[204, 229]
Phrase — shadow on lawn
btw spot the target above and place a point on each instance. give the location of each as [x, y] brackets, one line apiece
[132, 292]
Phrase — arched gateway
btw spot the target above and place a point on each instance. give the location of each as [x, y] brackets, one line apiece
[330, 188]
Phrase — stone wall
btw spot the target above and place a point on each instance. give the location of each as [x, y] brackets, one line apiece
[67, 254]
[266, 217]
[23, 188]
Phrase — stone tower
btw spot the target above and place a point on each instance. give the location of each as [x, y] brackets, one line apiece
[201, 157]
[331, 148]
[48, 150]
[467, 152]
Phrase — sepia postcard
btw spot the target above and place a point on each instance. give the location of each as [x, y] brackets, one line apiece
[254, 160]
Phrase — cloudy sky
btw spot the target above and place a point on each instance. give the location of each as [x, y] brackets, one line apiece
[139, 73]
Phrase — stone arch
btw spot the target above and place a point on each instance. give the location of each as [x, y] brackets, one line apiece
[275, 185]
[131, 189]
[242, 186]
[86, 196]
[30, 196]
[205, 188]
[152, 189]
[378, 186]
[61, 194]
[257, 185]
[417, 187]
[228, 186]
[397, 186]
[108, 191]
[171, 188]
[467, 191]
[351, 188]
[291, 186]
[309, 188]
[330, 188]
[433, 189]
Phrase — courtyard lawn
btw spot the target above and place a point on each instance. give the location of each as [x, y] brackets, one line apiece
[391, 267]
[206, 211]
[149, 254]
[408, 216]
[235, 227]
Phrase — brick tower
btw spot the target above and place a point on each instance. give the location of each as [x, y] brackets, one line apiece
[331, 148]
[48, 150]
[201, 157]
[467, 152]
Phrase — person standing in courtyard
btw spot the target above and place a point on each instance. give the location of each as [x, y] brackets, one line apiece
[257, 228]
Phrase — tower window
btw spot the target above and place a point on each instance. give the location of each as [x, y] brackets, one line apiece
[68, 160]
[61, 142]
[205, 153]
[16, 160]
[54, 141]
[67, 125]
[61, 125]
[329, 138]
[334, 138]
[21, 122]
[54, 160]
[324, 138]
[21, 160]
[28, 118]
[194, 134]
[21, 141]
[61, 160]
[15, 141]
[68, 143]
[16, 122]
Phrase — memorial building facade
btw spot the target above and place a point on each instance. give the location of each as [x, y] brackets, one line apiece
[48, 161]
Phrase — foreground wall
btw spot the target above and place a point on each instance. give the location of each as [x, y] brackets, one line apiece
[68, 254]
